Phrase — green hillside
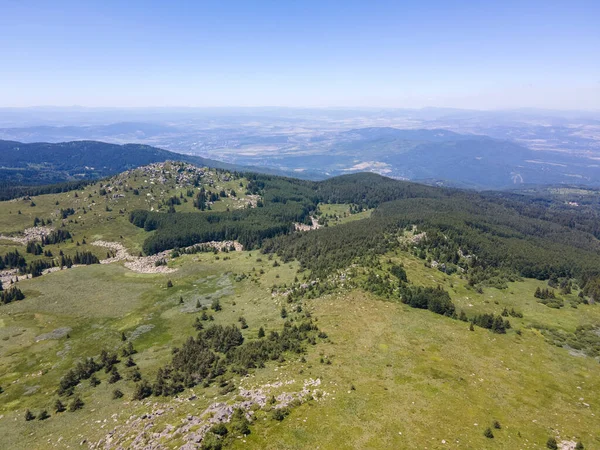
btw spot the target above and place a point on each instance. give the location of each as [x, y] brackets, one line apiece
[228, 310]
[46, 163]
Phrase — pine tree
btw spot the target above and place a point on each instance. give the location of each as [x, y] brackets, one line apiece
[552, 444]
[488, 433]
[94, 381]
[58, 406]
[43, 415]
[261, 332]
[498, 325]
[114, 375]
[130, 362]
[29, 416]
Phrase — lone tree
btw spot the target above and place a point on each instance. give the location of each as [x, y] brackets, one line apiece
[114, 375]
[76, 404]
[94, 381]
[117, 394]
[58, 406]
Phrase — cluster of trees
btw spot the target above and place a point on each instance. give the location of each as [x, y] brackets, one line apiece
[86, 258]
[219, 349]
[10, 295]
[491, 322]
[592, 286]
[37, 221]
[436, 300]
[87, 368]
[284, 202]
[34, 248]
[544, 294]
[204, 197]
[9, 191]
[37, 267]
[13, 260]
[506, 236]
[511, 313]
[248, 226]
[327, 249]
[56, 237]
[64, 213]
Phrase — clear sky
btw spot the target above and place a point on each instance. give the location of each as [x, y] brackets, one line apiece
[470, 54]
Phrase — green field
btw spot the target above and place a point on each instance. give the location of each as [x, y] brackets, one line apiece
[390, 376]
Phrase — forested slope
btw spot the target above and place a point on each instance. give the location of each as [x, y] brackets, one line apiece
[484, 233]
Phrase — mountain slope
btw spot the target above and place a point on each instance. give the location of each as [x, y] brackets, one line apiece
[44, 163]
[465, 160]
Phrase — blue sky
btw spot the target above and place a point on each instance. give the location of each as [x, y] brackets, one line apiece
[484, 55]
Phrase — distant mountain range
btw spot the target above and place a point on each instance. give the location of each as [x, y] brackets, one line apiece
[433, 156]
[46, 163]
[439, 156]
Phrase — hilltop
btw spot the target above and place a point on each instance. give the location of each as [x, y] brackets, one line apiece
[46, 163]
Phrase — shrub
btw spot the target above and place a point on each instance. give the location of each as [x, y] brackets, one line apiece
[240, 425]
[117, 394]
[219, 429]
[76, 404]
[552, 444]
[280, 413]
[488, 433]
[211, 442]
[114, 375]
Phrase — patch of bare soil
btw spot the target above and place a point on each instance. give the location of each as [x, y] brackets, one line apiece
[303, 227]
[141, 433]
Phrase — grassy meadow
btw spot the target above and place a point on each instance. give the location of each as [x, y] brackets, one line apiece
[391, 376]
